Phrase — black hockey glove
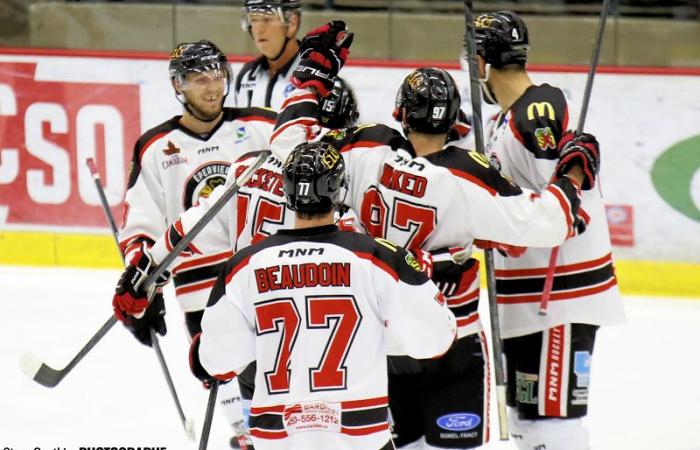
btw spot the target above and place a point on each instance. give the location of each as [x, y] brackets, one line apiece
[130, 299]
[154, 318]
[196, 365]
[323, 53]
[579, 150]
[453, 278]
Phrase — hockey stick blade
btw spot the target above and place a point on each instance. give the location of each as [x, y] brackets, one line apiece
[46, 375]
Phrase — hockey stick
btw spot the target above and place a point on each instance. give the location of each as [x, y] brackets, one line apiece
[549, 279]
[208, 415]
[47, 376]
[187, 424]
[496, 342]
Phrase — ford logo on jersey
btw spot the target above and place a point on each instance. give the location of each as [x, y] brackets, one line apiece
[458, 421]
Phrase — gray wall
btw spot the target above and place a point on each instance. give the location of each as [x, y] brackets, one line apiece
[554, 40]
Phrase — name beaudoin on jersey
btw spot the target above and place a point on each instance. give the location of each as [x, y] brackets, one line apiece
[524, 141]
[446, 199]
[343, 299]
[171, 170]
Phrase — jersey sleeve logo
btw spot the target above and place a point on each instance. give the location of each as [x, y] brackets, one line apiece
[545, 138]
[412, 263]
[540, 109]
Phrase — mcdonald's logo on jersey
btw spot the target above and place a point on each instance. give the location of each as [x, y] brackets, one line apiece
[543, 109]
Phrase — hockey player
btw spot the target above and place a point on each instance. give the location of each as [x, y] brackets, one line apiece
[177, 163]
[319, 309]
[424, 196]
[548, 357]
[273, 25]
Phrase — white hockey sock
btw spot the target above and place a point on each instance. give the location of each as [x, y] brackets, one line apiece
[229, 398]
[549, 434]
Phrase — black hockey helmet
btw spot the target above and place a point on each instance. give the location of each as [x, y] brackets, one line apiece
[501, 38]
[200, 56]
[282, 8]
[314, 176]
[430, 98]
[339, 108]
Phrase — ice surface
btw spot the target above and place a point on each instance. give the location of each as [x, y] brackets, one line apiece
[644, 392]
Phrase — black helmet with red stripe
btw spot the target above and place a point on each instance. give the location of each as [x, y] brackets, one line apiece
[428, 100]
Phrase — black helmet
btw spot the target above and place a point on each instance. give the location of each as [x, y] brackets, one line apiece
[280, 7]
[431, 100]
[339, 108]
[501, 38]
[314, 175]
[199, 56]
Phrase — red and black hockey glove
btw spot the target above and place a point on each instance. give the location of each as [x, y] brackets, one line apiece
[130, 299]
[322, 54]
[154, 318]
[196, 365]
[454, 279]
[506, 250]
[579, 150]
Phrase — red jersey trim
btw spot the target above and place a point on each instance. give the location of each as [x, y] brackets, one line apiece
[542, 271]
[558, 295]
[379, 263]
[150, 142]
[359, 144]
[474, 180]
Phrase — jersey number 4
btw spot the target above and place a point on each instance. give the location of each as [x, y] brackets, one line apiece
[406, 217]
[338, 313]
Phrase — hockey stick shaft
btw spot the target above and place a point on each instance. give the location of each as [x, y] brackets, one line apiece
[154, 338]
[50, 377]
[208, 415]
[496, 342]
[595, 57]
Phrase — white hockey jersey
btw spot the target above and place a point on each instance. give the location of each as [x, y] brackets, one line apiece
[524, 142]
[317, 309]
[172, 168]
[446, 199]
[255, 87]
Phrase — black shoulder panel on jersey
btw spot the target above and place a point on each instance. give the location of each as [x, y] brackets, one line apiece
[474, 167]
[247, 67]
[540, 117]
[250, 113]
[143, 142]
[365, 135]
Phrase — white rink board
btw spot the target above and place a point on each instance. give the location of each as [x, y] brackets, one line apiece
[635, 117]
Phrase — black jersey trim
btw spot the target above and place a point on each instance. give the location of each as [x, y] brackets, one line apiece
[367, 135]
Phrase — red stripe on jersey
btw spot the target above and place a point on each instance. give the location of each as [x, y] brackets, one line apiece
[266, 434]
[584, 215]
[516, 133]
[206, 261]
[195, 287]
[236, 268]
[474, 180]
[269, 120]
[556, 296]
[299, 98]
[354, 404]
[361, 144]
[302, 121]
[275, 409]
[463, 299]
[362, 431]
[379, 263]
[150, 142]
[468, 320]
[565, 206]
[226, 376]
[554, 371]
[542, 271]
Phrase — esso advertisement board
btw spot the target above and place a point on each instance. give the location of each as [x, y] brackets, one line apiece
[56, 110]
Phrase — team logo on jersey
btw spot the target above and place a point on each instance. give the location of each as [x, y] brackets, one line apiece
[545, 138]
[241, 135]
[203, 181]
[542, 109]
[411, 261]
[462, 421]
[336, 134]
[171, 149]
